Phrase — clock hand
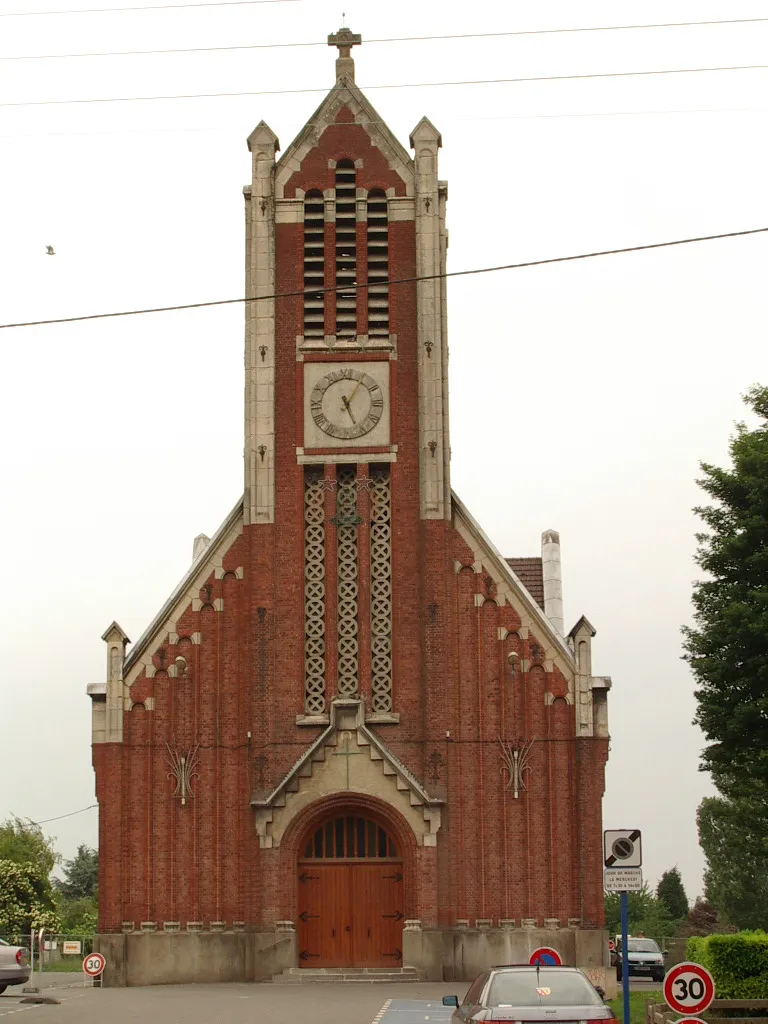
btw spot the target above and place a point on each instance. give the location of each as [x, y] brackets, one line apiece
[345, 400]
[354, 389]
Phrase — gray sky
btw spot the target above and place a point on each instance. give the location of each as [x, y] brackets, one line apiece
[583, 395]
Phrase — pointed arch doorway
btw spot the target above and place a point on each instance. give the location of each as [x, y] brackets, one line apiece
[350, 885]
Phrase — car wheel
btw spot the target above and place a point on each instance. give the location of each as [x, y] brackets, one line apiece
[2, 989]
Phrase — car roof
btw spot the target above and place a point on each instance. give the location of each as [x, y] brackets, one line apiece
[533, 967]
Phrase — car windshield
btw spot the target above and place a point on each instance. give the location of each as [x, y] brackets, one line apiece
[542, 988]
[642, 946]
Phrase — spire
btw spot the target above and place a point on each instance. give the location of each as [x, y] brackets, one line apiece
[345, 39]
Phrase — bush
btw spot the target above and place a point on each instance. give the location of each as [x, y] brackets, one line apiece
[738, 963]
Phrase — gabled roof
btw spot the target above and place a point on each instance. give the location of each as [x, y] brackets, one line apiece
[531, 572]
[202, 567]
[115, 627]
[498, 565]
[583, 623]
[344, 93]
[290, 782]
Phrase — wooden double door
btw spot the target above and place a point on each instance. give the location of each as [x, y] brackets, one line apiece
[350, 914]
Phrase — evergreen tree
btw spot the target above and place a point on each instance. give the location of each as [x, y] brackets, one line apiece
[728, 648]
[671, 892]
[81, 874]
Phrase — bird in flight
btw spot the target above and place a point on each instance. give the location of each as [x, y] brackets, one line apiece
[49, 250]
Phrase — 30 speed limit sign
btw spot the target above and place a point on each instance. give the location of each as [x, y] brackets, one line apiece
[94, 964]
[689, 989]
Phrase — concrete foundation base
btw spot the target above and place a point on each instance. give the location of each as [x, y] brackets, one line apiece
[187, 957]
[461, 954]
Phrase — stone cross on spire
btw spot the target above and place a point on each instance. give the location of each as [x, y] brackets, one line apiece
[345, 39]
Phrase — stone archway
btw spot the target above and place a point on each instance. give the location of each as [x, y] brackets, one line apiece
[350, 892]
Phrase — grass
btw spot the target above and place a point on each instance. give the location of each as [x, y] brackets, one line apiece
[68, 964]
[637, 1001]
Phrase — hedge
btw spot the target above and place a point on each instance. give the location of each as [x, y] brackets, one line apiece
[738, 963]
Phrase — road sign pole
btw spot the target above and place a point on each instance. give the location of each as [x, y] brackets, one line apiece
[624, 953]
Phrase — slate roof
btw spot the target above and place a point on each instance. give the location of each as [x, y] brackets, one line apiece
[531, 575]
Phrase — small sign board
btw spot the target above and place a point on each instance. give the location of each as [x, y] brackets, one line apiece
[622, 879]
[623, 848]
[93, 965]
[611, 945]
[72, 948]
[545, 956]
[689, 989]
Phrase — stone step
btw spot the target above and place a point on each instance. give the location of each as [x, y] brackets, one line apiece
[344, 975]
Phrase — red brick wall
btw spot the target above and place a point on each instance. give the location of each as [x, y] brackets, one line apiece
[496, 857]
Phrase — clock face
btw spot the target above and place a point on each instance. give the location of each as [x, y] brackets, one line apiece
[346, 403]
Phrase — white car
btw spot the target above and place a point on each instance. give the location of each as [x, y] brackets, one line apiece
[14, 965]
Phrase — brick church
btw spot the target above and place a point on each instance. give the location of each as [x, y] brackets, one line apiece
[355, 735]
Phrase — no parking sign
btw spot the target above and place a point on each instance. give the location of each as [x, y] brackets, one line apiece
[545, 956]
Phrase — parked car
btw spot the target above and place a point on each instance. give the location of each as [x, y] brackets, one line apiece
[14, 965]
[644, 959]
[525, 993]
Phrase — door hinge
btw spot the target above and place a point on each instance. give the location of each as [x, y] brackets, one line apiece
[305, 916]
[304, 878]
[397, 916]
[398, 954]
[306, 955]
[398, 877]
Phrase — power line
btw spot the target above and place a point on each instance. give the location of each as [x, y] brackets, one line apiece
[398, 85]
[393, 39]
[450, 120]
[156, 7]
[402, 280]
[71, 814]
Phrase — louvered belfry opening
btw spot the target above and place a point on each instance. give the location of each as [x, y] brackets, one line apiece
[314, 260]
[346, 250]
[378, 264]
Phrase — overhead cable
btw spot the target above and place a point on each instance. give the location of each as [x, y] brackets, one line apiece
[368, 88]
[391, 39]
[397, 281]
[71, 814]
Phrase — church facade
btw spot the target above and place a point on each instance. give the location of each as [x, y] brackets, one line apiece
[355, 735]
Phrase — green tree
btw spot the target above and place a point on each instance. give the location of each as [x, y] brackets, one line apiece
[733, 833]
[78, 917]
[728, 647]
[81, 874]
[23, 842]
[26, 899]
[671, 892]
[645, 913]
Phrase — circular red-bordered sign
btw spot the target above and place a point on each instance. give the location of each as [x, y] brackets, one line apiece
[94, 964]
[611, 945]
[689, 989]
[690, 1020]
[545, 956]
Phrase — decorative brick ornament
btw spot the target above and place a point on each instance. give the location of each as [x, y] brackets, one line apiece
[314, 594]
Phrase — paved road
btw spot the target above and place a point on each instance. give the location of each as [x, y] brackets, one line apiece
[232, 1004]
[239, 1004]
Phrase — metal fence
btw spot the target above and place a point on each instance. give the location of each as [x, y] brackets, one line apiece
[54, 954]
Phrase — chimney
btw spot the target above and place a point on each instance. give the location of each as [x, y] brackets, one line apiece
[199, 545]
[553, 579]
